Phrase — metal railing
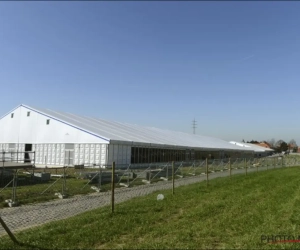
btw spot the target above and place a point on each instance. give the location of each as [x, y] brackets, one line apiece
[42, 186]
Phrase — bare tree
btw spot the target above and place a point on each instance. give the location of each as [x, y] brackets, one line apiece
[278, 143]
[293, 143]
[281, 146]
[271, 142]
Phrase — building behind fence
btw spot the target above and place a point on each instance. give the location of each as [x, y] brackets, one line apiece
[40, 188]
[23, 183]
[63, 139]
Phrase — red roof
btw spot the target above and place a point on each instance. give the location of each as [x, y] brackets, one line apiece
[263, 144]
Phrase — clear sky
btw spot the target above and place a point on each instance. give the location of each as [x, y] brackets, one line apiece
[233, 66]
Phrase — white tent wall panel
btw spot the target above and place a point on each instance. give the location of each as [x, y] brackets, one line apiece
[12, 149]
[57, 154]
[37, 153]
[3, 146]
[92, 154]
[117, 157]
[19, 148]
[81, 154]
[62, 154]
[53, 154]
[124, 154]
[33, 156]
[125, 157]
[49, 154]
[98, 154]
[104, 154]
[110, 153]
[40, 154]
[76, 154]
[33, 129]
[45, 160]
[115, 153]
[86, 153]
[89, 154]
[120, 154]
[128, 154]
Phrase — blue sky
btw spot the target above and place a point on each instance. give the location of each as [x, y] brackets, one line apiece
[233, 66]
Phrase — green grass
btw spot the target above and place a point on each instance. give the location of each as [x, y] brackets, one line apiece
[32, 192]
[230, 213]
[29, 192]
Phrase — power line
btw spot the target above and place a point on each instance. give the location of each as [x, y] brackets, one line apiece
[194, 126]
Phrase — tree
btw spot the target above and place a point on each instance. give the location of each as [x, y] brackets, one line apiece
[281, 146]
[278, 143]
[253, 142]
[293, 146]
[284, 147]
[293, 143]
[271, 143]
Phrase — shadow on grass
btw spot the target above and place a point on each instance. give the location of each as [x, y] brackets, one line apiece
[118, 213]
[21, 245]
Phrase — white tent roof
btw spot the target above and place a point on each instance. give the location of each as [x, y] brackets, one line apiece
[117, 131]
[254, 147]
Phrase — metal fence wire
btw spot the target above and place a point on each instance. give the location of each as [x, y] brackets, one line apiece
[30, 197]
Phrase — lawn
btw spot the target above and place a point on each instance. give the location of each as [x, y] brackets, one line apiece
[34, 192]
[230, 213]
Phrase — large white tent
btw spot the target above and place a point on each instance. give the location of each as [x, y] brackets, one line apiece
[258, 150]
[60, 138]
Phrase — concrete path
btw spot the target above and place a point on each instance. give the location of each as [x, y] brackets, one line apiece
[20, 218]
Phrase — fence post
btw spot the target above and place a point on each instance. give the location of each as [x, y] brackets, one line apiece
[99, 178]
[282, 161]
[12, 237]
[14, 189]
[173, 178]
[150, 174]
[2, 175]
[230, 167]
[113, 187]
[64, 184]
[245, 166]
[167, 172]
[206, 166]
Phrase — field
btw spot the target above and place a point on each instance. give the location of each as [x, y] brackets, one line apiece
[231, 212]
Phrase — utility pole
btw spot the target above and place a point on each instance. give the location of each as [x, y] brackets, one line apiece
[194, 126]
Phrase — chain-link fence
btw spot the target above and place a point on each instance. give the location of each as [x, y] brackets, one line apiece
[33, 194]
